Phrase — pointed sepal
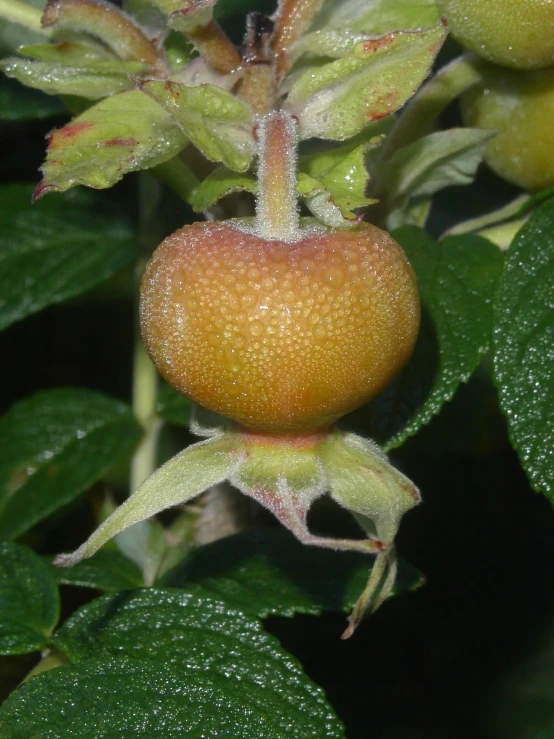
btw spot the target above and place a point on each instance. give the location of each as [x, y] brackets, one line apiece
[363, 481]
[184, 477]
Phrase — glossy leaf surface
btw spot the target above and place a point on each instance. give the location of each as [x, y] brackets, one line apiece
[53, 446]
[106, 570]
[29, 603]
[208, 669]
[54, 249]
[524, 346]
[457, 281]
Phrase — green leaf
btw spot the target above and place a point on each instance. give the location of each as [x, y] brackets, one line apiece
[56, 249]
[436, 161]
[113, 28]
[116, 696]
[336, 100]
[123, 133]
[53, 446]
[207, 669]
[524, 346]
[173, 407]
[457, 281]
[329, 42]
[218, 184]
[29, 602]
[96, 80]
[270, 573]
[218, 123]
[379, 16]
[334, 182]
[19, 103]
[107, 570]
[69, 53]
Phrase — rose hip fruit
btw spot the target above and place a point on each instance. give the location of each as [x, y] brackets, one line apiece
[280, 336]
[512, 33]
[520, 107]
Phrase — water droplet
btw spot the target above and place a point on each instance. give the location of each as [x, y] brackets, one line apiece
[256, 328]
[333, 276]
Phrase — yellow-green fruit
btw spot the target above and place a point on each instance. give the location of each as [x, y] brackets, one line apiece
[512, 33]
[281, 337]
[520, 106]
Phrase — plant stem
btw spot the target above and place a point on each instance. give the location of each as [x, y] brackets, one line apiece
[178, 176]
[145, 376]
[277, 204]
[420, 114]
[145, 390]
[22, 14]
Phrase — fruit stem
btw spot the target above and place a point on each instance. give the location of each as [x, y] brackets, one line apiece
[419, 115]
[277, 215]
[22, 14]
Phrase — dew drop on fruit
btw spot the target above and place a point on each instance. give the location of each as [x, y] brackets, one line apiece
[334, 276]
[256, 328]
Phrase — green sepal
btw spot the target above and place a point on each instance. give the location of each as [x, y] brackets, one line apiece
[269, 464]
[123, 133]
[69, 53]
[188, 15]
[96, 80]
[182, 478]
[336, 100]
[106, 22]
[216, 122]
[362, 480]
[379, 16]
[333, 184]
[285, 474]
[330, 42]
[419, 170]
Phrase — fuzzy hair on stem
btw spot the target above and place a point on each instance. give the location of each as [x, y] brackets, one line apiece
[277, 215]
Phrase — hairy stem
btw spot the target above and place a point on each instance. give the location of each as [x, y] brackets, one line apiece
[277, 205]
